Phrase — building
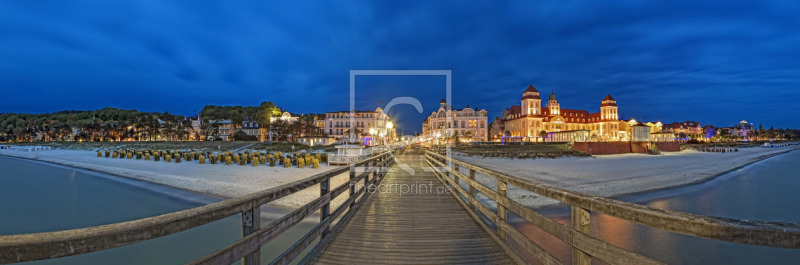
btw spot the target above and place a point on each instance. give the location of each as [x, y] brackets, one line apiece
[285, 116]
[370, 126]
[743, 130]
[255, 129]
[225, 130]
[662, 137]
[626, 128]
[570, 136]
[531, 122]
[467, 123]
[640, 133]
[686, 127]
[196, 128]
[316, 140]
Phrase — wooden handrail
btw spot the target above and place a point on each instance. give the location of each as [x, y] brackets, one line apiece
[771, 234]
[48, 245]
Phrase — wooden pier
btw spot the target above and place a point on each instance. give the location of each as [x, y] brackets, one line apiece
[410, 219]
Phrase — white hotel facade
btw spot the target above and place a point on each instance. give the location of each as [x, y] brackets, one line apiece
[469, 124]
[369, 125]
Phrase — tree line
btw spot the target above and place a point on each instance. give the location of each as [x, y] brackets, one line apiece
[107, 124]
[112, 124]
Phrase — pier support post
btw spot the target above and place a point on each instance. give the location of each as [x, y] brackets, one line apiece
[325, 211]
[581, 222]
[502, 188]
[251, 221]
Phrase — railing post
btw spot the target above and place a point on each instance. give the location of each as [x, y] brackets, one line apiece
[502, 188]
[366, 177]
[472, 188]
[455, 176]
[251, 221]
[382, 167]
[352, 185]
[580, 222]
[325, 211]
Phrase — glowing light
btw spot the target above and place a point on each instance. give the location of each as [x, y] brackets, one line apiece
[389, 125]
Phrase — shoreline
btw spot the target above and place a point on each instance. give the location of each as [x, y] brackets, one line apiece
[704, 180]
[219, 182]
[116, 174]
[269, 212]
[619, 176]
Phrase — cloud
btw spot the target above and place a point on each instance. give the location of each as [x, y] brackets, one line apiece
[681, 60]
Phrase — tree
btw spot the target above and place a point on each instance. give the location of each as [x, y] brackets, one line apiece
[209, 129]
[281, 128]
[267, 110]
[236, 119]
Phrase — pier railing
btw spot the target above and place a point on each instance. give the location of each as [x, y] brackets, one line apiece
[37, 246]
[585, 247]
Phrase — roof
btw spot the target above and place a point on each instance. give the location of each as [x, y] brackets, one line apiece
[608, 97]
[531, 89]
[575, 113]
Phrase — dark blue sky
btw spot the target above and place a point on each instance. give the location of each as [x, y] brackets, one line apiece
[717, 62]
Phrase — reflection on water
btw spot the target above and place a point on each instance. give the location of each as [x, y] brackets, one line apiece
[37, 197]
[764, 191]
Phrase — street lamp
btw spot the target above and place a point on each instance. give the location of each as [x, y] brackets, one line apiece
[372, 133]
[389, 126]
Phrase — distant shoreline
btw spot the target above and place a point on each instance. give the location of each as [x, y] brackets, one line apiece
[708, 179]
[115, 174]
[212, 181]
[625, 175]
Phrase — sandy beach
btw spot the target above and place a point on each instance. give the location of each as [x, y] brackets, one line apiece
[213, 180]
[616, 175]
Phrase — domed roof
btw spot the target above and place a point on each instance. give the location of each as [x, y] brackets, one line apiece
[443, 101]
[552, 96]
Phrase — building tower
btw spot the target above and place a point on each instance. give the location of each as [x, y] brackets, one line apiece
[531, 102]
[608, 108]
[443, 103]
[553, 106]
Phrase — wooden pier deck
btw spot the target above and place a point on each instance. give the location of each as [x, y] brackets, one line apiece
[422, 226]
